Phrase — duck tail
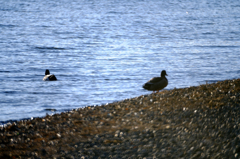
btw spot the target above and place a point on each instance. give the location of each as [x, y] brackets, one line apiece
[147, 86]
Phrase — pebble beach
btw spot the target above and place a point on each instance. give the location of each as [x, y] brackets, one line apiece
[195, 122]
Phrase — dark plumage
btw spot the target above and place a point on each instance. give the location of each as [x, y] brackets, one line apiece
[49, 77]
[157, 83]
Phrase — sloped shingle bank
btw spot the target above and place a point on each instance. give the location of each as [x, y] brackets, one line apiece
[195, 122]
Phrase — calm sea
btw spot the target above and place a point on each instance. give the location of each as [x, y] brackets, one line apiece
[103, 51]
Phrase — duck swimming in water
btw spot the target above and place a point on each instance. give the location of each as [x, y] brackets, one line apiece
[49, 77]
[157, 83]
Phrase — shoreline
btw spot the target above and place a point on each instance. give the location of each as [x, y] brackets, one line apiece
[11, 121]
[199, 122]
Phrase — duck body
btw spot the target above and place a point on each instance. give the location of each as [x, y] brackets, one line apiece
[157, 83]
[49, 77]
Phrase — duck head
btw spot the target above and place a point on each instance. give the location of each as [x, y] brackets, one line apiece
[163, 73]
[47, 72]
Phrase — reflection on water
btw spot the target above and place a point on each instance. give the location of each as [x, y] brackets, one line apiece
[104, 51]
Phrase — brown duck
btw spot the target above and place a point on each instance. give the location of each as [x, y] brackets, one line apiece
[49, 77]
[157, 83]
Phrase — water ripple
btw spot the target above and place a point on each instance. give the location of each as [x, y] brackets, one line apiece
[103, 51]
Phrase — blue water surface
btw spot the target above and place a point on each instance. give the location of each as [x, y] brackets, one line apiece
[103, 51]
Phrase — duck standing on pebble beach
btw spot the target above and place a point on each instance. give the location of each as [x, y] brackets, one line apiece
[48, 76]
[157, 83]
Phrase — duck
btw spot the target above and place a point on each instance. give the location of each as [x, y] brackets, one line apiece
[157, 83]
[48, 76]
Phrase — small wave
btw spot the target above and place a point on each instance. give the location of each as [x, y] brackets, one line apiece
[10, 92]
[7, 26]
[49, 48]
[4, 71]
[9, 122]
[52, 110]
[211, 81]
[217, 46]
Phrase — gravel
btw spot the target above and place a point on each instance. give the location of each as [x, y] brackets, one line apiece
[194, 122]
